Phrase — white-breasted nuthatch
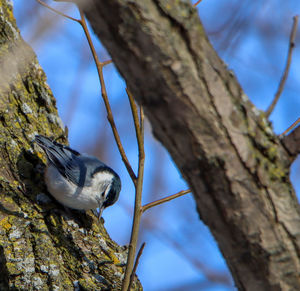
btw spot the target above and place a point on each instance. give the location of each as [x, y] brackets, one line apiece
[78, 181]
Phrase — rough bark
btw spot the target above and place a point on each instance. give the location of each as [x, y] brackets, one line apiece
[224, 147]
[41, 246]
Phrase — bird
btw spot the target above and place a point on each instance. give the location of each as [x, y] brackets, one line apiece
[78, 181]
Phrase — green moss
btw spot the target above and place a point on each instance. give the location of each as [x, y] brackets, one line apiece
[4, 224]
[12, 269]
[272, 152]
[277, 173]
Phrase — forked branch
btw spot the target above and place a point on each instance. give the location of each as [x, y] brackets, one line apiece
[139, 130]
[163, 200]
[137, 180]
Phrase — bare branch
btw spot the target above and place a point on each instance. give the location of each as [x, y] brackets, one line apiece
[106, 63]
[290, 127]
[138, 181]
[110, 117]
[136, 264]
[194, 5]
[287, 66]
[57, 11]
[163, 200]
[134, 112]
[100, 66]
[139, 128]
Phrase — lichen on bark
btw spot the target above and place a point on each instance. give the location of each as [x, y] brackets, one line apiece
[42, 247]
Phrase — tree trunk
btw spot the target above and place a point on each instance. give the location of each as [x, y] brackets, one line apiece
[41, 246]
[237, 168]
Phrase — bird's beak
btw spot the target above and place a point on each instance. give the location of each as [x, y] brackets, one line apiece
[100, 212]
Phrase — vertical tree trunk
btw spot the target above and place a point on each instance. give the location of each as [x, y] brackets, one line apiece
[225, 148]
[41, 247]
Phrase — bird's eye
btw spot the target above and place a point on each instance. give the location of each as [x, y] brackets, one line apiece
[102, 194]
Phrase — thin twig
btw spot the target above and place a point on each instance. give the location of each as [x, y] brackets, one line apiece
[134, 112]
[106, 63]
[287, 66]
[142, 127]
[99, 66]
[139, 129]
[110, 117]
[194, 5]
[57, 11]
[290, 127]
[138, 181]
[136, 264]
[163, 200]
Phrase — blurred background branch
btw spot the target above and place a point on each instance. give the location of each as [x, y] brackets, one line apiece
[287, 66]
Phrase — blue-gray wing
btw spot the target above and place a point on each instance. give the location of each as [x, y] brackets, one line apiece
[64, 159]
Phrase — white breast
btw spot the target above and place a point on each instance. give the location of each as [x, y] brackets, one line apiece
[73, 196]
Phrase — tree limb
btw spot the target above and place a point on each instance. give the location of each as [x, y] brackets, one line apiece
[224, 147]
